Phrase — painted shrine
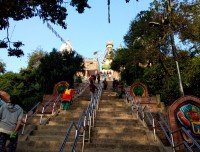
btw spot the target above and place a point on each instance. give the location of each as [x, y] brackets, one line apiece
[138, 89]
[185, 112]
[140, 92]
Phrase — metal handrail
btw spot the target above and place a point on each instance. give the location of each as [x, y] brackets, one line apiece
[55, 103]
[88, 115]
[47, 106]
[169, 133]
[28, 118]
[43, 109]
[190, 136]
[151, 120]
[79, 125]
[67, 135]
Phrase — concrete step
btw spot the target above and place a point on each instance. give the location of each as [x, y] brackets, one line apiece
[114, 147]
[49, 138]
[107, 117]
[45, 146]
[113, 104]
[132, 130]
[60, 127]
[45, 132]
[118, 138]
[117, 122]
[115, 114]
[115, 129]
[66, 115]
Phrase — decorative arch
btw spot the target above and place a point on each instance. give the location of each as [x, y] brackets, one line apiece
[138, 88]
[176, 112]
[4, 96]
[60, 87]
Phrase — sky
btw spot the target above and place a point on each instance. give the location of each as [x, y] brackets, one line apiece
[87, 32]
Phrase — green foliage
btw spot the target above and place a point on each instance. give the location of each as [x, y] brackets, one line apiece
[23, 85]
[53, 11]
[18, 10]
[35, 57]
[55, 67]
[167, 85]
[2, 67]
[191, 77]
[151, 50]
[80, 5]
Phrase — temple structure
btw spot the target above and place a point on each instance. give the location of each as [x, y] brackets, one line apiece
[106, 64]
[66, 47]
[91, 67]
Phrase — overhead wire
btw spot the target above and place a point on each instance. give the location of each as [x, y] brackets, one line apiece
[61, 39]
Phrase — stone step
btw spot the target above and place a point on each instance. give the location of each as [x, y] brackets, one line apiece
[132, 130]
[115, 108]
[35, 119]
[115, 114]
[60, 127]
[45, 146]
[107, 117]
[117, 122]
[52, 132]
[49, 138]
[115, 129]
[65, 115]
[118, 138]
[122, 147]
[116, 105]
[63, 123]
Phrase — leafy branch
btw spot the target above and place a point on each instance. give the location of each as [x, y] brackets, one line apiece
[6, 43]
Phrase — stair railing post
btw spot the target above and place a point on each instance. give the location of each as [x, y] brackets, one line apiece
[172, 140]
[53, 108]
[92, 118]
[84, 127]
[83, 140]
[154, 129]
[89, 127]
[95, 114]
[143, 117]
[41, 115]
[76, 132]
[98, 97]
[24, 123]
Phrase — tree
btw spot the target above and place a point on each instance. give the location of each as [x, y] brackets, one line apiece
[52, 11]
[2, 67]
[151, 49]
[55, 67]
[35, 57]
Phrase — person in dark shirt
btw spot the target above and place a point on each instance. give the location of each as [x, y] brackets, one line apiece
[93, 88]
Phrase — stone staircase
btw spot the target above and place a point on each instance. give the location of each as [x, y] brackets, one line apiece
[116, 129]
[49, 137]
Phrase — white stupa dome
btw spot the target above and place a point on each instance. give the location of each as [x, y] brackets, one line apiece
[66, 47]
